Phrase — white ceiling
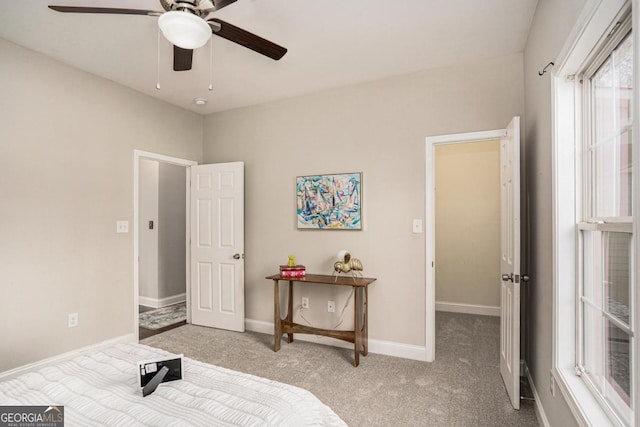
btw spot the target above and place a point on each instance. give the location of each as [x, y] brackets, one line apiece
[331, 43]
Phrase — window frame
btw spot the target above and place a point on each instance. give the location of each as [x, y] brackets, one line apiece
[586, 37]
[616, 407]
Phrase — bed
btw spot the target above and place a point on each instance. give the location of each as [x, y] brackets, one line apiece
[102, 389]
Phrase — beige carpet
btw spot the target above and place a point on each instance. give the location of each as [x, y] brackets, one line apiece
[461, 388]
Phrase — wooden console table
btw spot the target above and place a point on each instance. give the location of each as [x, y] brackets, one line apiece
[358, 336]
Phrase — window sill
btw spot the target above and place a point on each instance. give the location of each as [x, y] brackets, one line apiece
[585, 407]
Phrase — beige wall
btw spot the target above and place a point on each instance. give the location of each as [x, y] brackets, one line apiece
[66, 164]
[550, 29]
[468, 223]
[379, 129]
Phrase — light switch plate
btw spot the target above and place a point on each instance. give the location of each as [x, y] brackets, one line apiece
[417, 226]
[122, 226]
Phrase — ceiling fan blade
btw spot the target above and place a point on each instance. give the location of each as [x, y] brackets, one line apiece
[110, 10]
[247, 39]
[182, 58]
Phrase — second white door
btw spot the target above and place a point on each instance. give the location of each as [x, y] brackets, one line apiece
[510, 261]
[217, 246]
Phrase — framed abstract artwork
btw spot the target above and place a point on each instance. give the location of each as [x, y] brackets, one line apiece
[329, 202]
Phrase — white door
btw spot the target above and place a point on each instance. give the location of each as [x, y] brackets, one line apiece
[217, 246]
[510, 261]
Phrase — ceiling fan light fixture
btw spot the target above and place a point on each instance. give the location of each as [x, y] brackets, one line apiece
[184, 29]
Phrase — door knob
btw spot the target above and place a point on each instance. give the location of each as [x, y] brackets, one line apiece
[236, 256]
[507, 277]
[525, 277]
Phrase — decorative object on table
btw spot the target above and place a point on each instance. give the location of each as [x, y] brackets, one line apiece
[329, 202]
[347, 265]
[292, 270]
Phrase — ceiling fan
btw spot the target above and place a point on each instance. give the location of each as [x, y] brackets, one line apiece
[184, 23]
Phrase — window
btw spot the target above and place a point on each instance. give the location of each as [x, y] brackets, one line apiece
[595, 252]
[605, 240]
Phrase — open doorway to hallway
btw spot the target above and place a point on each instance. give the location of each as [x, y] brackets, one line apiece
[467, 227]
[162, 251]
[510, 246]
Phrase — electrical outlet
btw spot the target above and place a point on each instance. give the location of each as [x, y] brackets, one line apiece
[552, 385]
[305, 302]
[122, 226]
[331, 306]
[73, 320]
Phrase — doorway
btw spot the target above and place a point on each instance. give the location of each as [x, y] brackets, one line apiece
[430, 295]
[467, 227]
[214, 243]
[162, 233]
[509, 255]
[161, 253]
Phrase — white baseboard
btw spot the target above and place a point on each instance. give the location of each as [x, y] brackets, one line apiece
[162, 302]
[388, 348]
[148, 302]
[540, 414]
[454, 307]
[12, 373]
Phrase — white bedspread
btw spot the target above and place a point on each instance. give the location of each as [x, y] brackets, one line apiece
[102, 389]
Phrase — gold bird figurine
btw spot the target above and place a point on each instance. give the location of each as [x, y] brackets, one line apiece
[348, 265]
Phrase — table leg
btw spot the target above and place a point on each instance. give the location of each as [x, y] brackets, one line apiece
[277, 322]
[356, 327]
[290, 309]
[365, 325]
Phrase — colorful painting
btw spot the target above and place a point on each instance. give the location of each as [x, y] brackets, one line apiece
[330, 202]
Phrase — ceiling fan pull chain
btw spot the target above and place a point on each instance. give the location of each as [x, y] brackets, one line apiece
[210, 63]
[158, 62]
